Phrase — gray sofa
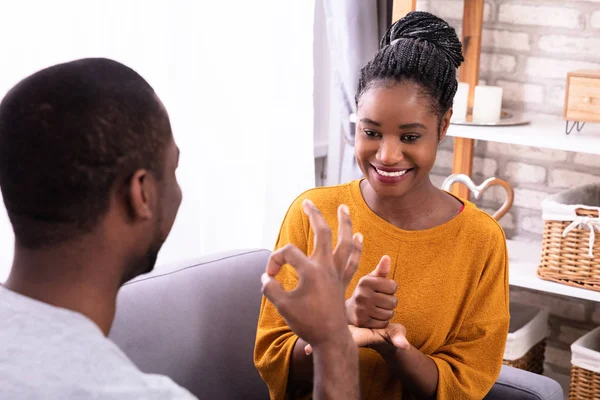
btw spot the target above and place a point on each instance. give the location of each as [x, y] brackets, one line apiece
[196, 321]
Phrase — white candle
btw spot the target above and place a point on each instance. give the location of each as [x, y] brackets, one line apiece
[487, 104]
[461, 103]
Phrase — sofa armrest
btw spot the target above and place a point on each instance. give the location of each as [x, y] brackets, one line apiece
[518, 384]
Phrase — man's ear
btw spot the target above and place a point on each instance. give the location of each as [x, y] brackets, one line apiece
[445, 123]
[141, 194]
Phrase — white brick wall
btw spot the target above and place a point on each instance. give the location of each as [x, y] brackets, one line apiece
[452, 9]
[505, 39]
[542, 15]
[497, 62]
[526, 152]
[444, 159]
[525, 173]
[533, 224]
[556, 96]
[589, 160]
[437, 179]
[565, 178]
[569, 334]
[495, 194]
[563, 44]
[529, 198]
[485, 166]
[545, 67]
[563, 307]
[558, 356]
[521, 92]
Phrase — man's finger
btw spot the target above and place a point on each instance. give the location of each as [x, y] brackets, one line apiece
[272, 290]
[320, 228]
[382, 269]
[354, 259]
[288, 254]
[345, 243]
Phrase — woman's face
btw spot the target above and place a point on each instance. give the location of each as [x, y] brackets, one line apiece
[397, 135]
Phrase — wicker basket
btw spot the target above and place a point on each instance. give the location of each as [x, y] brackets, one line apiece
[570, 251]
[526, 341]
[585, 367]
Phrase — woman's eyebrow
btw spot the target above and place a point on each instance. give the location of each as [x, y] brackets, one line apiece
[370, 121]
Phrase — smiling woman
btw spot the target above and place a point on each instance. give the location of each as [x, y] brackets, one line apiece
[434, 267]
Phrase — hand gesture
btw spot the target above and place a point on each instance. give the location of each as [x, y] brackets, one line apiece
[392, 336]
[373, 302]
[315, 309]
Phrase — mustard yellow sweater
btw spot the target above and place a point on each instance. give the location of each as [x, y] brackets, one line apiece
[452, 296]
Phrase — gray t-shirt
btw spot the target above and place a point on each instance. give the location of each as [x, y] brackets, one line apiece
[51, 353]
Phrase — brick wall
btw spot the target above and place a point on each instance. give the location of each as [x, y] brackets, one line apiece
[527, 48]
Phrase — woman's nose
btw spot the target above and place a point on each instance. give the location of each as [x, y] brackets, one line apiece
[390, 152]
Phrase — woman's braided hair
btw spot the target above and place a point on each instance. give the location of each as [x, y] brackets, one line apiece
[419, 48]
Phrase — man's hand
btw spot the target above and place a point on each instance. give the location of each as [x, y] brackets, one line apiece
[373, 302]
[315, 309]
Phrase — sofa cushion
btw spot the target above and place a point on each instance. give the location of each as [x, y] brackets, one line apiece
[196, 322]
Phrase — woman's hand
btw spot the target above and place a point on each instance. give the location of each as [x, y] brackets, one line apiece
[373, 302]
[382, 340]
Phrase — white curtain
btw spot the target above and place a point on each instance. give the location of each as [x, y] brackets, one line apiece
[236, 77]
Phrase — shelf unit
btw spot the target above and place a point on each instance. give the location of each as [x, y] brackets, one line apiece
[523, 261]
[542, 132]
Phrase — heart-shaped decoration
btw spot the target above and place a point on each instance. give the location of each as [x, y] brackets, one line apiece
[478, 190]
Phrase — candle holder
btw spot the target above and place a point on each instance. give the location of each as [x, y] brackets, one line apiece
[507, 118]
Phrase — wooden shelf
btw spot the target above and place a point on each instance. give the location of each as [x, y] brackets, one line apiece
[544, 132]
[523, 261]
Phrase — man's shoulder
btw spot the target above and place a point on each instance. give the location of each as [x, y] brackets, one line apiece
[57, 354]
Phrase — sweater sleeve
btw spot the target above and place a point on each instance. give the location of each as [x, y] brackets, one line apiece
[470, 364]
[274, 339]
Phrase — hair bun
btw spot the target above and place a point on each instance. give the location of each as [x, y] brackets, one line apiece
[426, 26]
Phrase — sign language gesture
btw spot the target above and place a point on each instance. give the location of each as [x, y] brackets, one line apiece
[315, 310]
[373, 302]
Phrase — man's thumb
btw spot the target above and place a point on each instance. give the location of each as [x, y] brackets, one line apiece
[383, 268]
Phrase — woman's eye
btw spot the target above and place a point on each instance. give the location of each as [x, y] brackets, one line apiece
[410, 138]
[371, 133]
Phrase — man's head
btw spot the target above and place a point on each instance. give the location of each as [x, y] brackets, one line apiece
[86, 150]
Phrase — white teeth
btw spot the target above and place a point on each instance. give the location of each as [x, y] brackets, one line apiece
[393, 174]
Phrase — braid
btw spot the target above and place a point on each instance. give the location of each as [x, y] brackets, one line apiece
[421, 48]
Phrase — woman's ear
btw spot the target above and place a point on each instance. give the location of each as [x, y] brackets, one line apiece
[141, 195]
[445, 123]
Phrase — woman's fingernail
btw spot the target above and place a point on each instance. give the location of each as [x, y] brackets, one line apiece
[306, 205]
[264, 278]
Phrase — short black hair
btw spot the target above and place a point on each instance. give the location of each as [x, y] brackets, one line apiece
[419, 48]
[67, 133]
